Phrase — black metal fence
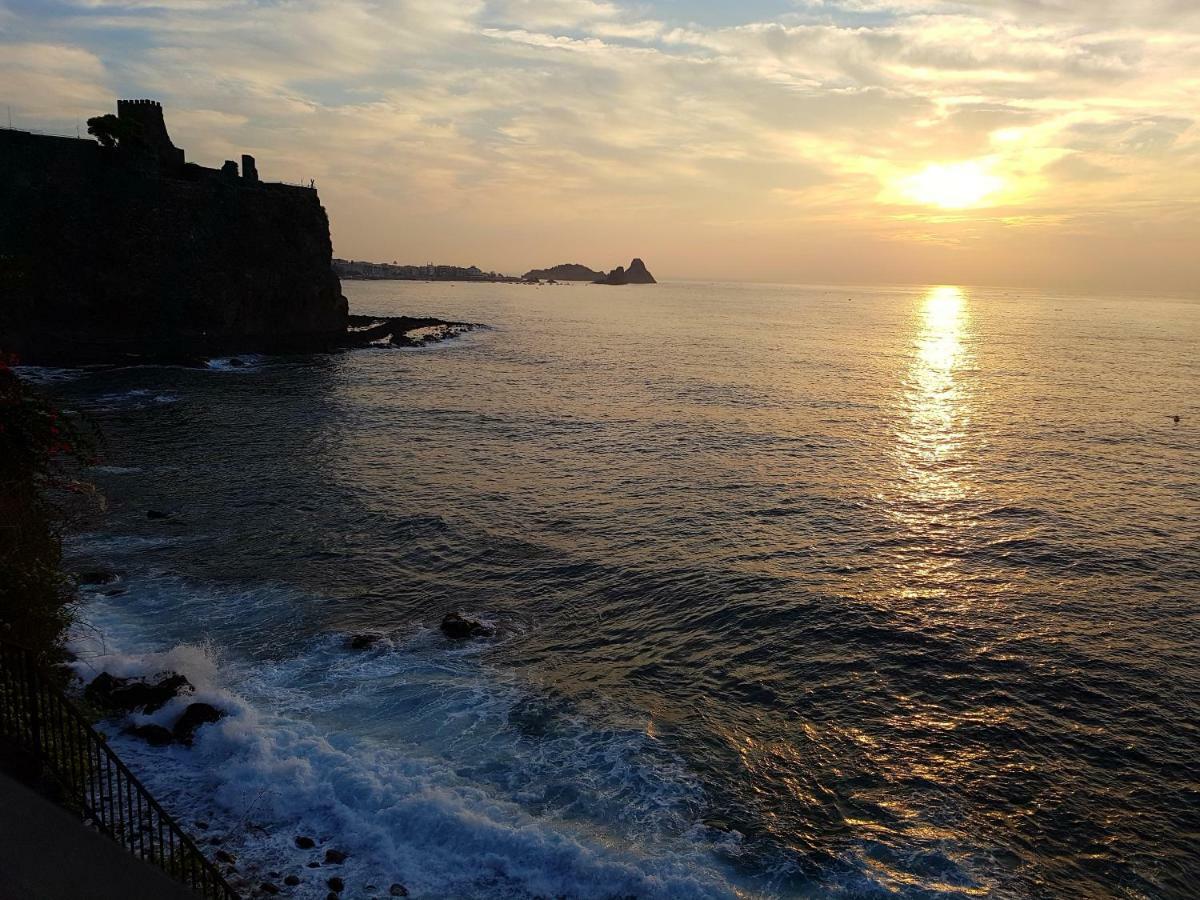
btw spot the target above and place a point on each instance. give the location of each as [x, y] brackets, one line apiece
[36, 716]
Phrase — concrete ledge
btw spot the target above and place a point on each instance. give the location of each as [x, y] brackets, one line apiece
[46, 853]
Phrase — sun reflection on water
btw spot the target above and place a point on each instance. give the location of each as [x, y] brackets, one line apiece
[930, 439]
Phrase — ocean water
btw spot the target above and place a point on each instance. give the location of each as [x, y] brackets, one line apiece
[798, 592]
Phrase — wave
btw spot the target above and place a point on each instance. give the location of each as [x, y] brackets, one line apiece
[421, 764]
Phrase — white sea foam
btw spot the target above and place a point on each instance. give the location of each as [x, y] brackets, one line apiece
[138, 398]
[249, 362]
[405, 756]
[47, 374]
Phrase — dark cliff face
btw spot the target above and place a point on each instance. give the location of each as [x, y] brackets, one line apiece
[102, 258]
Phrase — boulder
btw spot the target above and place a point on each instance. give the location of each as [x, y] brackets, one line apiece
[336, 884]
[154, 735]
[305, 843]
[397, 890]
[460, 628]
[96, 577]
[193, 717]
[267, 888]
[364, 641]
[157, 514]
[128, 694]
[335, 857]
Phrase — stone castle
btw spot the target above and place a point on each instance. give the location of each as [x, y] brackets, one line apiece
[128, 251]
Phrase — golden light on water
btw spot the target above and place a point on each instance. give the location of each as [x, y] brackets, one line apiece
[931, 438]
[953, 185]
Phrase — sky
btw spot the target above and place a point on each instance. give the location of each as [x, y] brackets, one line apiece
[1032, 143]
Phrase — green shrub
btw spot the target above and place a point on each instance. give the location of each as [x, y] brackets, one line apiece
[41, 450]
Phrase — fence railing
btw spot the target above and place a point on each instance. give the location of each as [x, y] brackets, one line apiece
[38, 717]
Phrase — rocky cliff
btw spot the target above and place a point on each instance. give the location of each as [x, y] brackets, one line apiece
[637, 273]
[107, 254]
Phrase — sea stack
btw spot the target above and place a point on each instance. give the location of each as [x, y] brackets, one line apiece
[637, 273]
[118, 249]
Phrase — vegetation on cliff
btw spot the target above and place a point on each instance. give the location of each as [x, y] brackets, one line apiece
[40, 450]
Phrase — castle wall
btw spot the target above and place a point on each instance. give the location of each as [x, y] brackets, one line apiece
[100, 258]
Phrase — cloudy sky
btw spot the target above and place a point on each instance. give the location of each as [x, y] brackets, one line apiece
[1023, 142]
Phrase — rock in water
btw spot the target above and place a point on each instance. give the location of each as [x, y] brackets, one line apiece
[335, 857]
[305, 843]
[193, 717]
[154, 735]
[124, 694]
[637, 273]
[364, 641]
[460, 628]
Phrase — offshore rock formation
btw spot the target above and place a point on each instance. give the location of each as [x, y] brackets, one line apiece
[563, 272]
[637, 273]
[127, 252]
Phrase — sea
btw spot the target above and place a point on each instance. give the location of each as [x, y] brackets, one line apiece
[797, 592]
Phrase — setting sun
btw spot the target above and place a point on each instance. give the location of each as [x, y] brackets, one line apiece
[952, 186]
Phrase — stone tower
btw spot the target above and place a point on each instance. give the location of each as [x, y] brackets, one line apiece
[148, 115]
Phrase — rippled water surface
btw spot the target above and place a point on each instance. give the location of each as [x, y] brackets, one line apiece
[799, 592]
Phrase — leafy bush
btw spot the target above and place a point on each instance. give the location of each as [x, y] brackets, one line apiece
[40, 450]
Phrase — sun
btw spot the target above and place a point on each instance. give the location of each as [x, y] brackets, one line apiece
[952, 185]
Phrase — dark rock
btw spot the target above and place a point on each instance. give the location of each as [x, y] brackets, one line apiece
[292, 880]
[154, 735]
[236, 363]
[127, 694]
[157, 514]
[364, 641]
[637, 273]
[193, 717]
[305, 843]
[335, 857]
[274, 874]
[458, 627]
[224, 856]
[336, 884]
[332, 896]
[314, 865]
[267, 888]
[96, 577]
[202, 825]
[616, 276]
[397, 890]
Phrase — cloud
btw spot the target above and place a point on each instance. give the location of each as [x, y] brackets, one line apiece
[519, 124]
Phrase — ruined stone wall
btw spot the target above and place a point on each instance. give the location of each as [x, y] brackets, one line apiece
[100, 259]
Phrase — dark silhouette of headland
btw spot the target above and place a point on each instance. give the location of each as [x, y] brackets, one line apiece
[637, 273]
[120, 249]
[563, 272]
